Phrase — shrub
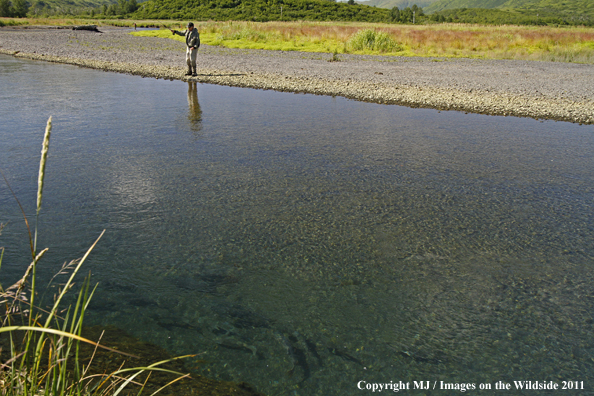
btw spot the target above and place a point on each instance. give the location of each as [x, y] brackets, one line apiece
[371, 40]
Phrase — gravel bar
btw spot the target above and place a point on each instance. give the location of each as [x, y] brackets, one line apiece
[541, 90]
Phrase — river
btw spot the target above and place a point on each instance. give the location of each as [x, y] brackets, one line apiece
[309, 245]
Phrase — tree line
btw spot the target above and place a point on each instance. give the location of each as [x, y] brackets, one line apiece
[289, 10]
[90, 8]
[247, 10]
[260, 10]
[14, 8]
[122, 7]
[408, 15]
[512, 17]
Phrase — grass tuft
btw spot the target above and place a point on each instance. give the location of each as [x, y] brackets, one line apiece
[371, 40]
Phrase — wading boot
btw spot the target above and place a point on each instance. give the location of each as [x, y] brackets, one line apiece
[189, 72]
[194, 71]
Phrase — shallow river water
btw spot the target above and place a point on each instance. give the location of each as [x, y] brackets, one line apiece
[310, 245]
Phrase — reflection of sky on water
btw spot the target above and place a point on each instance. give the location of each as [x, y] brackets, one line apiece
[133, 184]
[375, 242]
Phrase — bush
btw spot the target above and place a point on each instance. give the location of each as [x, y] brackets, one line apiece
[371, 40]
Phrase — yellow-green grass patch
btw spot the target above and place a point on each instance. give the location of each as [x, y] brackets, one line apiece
[445, 40]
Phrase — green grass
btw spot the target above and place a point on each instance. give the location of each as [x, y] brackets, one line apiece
[44, 344]
[252, 39]
[452, 40]
[568, 44]
[12, 22]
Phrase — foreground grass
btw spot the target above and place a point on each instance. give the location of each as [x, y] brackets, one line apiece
[39, 351]
[573, 44]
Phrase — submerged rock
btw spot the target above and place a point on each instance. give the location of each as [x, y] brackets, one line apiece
[92, 28]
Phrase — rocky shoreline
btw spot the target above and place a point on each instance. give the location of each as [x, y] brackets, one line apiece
[541, 90]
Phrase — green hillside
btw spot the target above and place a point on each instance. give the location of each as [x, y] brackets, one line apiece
[522, 12]
[566, 8]
[490, 12]
[41, 8]
[457, 4]
[549, 7]
[66, 6]
[401, 4]
[260, 10]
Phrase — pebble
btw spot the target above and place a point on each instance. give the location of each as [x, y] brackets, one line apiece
[540, 90]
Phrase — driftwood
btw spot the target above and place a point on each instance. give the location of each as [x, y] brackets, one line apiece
[92, 28]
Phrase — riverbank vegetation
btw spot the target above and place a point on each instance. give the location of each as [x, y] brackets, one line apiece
[446, 40]
[45, 349]
[501, 12]
[262, 11]
[40, 347]
[250, 10]
[542, 43]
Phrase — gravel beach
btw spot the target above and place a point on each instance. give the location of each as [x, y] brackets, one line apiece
[541, 90]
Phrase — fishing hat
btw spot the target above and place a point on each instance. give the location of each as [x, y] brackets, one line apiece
[190, 24]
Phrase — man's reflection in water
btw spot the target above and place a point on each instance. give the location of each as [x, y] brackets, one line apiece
[194, 113]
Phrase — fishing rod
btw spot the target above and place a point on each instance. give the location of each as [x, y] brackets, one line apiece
[168, 28]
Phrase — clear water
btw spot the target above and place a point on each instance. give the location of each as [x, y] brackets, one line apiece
[305, 243]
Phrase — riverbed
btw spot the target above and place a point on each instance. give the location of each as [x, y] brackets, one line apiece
[306, 243]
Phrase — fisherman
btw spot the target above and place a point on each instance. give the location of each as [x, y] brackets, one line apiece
[193, 42]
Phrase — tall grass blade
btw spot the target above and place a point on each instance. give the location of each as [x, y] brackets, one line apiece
[9, 361]
[40, 179]
[69, 282]
[41, 176]
[45, 360]
[1, 252]
[43, 161]
[152, 367]
[15, 290]
[63, 334]
[170, 383]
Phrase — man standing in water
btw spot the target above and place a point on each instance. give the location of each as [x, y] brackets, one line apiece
[193, 42]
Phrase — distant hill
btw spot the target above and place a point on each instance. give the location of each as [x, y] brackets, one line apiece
[544, 7]
[401, 4]
[64, 7]
[454, 4]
